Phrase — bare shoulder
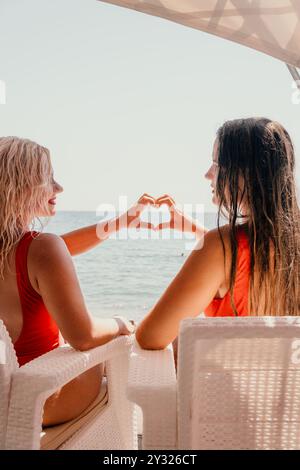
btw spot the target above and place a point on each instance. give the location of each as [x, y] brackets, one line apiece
[46, 237]
[223, 235]
[209, 251]
[47, 241]
[45, 252]
[214, 243]
[46, 247]
[213, 238]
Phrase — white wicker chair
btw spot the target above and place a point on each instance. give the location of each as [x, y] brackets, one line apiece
[238, 386]
[25, 389]
[8, 365]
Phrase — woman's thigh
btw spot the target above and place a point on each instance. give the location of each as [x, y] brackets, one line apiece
[72, 399]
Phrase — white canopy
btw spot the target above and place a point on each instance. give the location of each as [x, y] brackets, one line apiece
[269, 26]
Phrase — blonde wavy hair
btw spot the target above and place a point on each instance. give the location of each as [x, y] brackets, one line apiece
[25, 179]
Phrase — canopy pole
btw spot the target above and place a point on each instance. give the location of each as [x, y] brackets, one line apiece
[295, 74]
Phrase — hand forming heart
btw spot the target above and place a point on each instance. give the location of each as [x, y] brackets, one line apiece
[177, 219]
[174, 216]
[132, 218]
[156, 214]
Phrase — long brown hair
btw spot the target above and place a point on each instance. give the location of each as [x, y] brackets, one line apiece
[260, 152]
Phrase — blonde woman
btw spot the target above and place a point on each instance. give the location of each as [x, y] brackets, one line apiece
[40, 295]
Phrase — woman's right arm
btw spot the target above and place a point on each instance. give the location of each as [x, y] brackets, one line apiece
[57, 283]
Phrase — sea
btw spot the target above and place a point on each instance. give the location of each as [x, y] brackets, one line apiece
[127, 273]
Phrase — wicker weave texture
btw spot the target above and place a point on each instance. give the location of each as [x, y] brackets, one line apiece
[239, 383]
[33, 383]
[152, 386]
[238, 386]
[8, 365]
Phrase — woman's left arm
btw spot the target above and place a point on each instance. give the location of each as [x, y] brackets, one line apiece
[188, 294]
[83, 239]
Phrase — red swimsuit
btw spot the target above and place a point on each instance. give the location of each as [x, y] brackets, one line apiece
[40, 333]
[222, 307]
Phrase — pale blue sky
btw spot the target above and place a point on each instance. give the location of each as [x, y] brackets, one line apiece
[128, 103]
